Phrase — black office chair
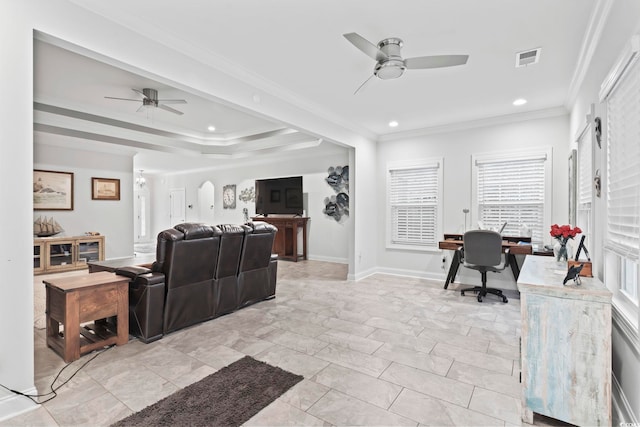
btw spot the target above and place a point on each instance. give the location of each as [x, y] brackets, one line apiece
[483, 252]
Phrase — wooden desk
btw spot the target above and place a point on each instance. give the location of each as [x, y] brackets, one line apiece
[566, 345]
[455, 243]
[72, 301]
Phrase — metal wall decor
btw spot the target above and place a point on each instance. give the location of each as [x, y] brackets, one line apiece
[248, 195]
[337, 205]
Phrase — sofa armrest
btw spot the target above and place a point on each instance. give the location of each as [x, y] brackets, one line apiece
[146, 306]
[132, 271]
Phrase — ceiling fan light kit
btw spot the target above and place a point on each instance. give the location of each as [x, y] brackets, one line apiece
[389, 61]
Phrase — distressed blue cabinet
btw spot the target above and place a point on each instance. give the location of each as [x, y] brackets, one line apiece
[566, 345]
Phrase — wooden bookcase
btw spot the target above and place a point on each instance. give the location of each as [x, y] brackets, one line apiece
[53, 254]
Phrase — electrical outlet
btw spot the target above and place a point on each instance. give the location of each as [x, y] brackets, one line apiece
[444, 261]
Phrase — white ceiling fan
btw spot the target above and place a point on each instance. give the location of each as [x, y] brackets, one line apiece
[389, 62]
[150, 99]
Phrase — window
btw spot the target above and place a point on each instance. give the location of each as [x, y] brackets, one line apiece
[513, 188]
[585, 184]
[621, 90]
[414, 192]
[142, 213]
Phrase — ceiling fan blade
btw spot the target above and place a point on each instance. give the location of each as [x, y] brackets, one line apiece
[172, 110]
[173, 101]
[122, 99]
[140, 92]
[435, 61]
[365, 46]
[364, 83]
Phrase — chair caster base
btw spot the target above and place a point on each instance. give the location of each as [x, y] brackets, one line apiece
[482, 293]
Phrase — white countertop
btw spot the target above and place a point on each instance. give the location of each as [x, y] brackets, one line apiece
[543, 275]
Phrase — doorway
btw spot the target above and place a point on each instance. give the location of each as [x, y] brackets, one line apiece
[206, 196]
[141, 211]
[177, 210]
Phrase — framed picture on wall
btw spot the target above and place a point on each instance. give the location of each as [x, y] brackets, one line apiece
[105, 189]
[52, 190]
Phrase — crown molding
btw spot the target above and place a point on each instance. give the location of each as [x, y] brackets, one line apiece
[590, 41]
[472, 124]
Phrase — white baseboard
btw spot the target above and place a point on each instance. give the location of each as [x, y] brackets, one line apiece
[621, 407]
[362, 274]
[413, 273]
[328, 259]
[13, 405]
[396, 272]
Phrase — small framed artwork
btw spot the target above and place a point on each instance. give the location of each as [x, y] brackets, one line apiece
[52, 190]
[105, 189]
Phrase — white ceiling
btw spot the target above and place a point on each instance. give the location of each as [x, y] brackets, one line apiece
[297, 48]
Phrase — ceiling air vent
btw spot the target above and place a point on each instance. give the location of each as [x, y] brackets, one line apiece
[527, 57]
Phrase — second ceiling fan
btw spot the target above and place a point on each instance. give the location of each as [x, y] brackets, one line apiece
[389, 62]
[150, 99]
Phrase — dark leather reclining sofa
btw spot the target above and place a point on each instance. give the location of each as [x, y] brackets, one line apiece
[201, 272]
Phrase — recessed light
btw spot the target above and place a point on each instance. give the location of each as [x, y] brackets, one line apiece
[211, 128]
[393, 124]
[520, 101]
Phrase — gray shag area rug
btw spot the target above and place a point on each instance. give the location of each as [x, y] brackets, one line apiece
[228, 397]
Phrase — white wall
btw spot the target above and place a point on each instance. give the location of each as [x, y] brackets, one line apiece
[456, 148]
[68, 22]
[365, 189]
[16, 189]
[327, 239]
[622, 22]
[111, 218]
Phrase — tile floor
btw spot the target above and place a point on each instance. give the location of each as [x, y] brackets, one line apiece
[386, 350]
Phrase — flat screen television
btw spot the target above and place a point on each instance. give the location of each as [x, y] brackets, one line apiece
[279, 196]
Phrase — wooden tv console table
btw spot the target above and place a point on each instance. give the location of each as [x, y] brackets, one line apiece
[286, 241]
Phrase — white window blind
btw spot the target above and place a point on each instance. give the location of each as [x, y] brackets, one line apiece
[414, 195]
[512, 190]
[585, 184]
[623, 166]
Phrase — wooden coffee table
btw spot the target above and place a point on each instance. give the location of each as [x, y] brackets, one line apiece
[74, 302]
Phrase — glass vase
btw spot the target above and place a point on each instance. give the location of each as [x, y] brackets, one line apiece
[561, 250]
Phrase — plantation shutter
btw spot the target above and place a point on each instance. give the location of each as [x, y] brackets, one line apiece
[512, 190]
[585, 185]
[414, 198]
[623, 165]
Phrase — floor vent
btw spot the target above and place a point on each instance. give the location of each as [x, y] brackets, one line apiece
[527, 57]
